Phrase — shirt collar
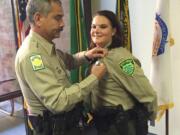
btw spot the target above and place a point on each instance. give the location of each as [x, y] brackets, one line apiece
[49, 47]
[108, 44]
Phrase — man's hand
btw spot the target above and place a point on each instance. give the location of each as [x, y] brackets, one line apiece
[98, 70]
[96, 52]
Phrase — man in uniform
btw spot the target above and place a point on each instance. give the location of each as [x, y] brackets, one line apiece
[53, 102]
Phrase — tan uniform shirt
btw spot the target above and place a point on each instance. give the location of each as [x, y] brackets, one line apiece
[43, 78]
[124, 78]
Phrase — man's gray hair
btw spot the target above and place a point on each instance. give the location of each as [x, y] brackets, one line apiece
[41, 6]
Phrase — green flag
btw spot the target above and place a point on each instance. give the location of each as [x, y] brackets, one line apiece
[78, 32]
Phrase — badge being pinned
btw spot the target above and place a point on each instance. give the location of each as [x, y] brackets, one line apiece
[37, 62]
[127, 66]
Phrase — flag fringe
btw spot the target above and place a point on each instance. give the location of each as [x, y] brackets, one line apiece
[171, 41]
[162, 109]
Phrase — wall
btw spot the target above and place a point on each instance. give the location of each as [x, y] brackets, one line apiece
[103, 4]
[142, 13]
[63, 43]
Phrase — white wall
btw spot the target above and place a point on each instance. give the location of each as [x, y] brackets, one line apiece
[142, 13]
[102, 5]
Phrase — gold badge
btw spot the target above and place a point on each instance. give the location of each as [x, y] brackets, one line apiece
[37, 62]
[127, 66]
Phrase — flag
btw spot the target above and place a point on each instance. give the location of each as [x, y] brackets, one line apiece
[23, 26]
[122, 11]
[161, 73]
[87, 17]
[79, 41]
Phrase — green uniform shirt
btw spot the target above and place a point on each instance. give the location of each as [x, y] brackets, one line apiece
[43, 78]
[124, 79]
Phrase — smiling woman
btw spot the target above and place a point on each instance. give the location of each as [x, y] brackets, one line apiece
[102, 31]
[124, 99]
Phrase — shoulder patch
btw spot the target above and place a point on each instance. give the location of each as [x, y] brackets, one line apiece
[37, 62]
[127, 66]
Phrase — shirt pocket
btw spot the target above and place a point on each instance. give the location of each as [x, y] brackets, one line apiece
[59, 71]
[60, 75]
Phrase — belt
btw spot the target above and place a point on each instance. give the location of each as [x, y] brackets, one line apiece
[106, 111]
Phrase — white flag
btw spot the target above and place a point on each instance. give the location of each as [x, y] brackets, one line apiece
[161, 76]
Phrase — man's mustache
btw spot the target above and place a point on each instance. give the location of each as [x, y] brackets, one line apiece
[61, 29]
